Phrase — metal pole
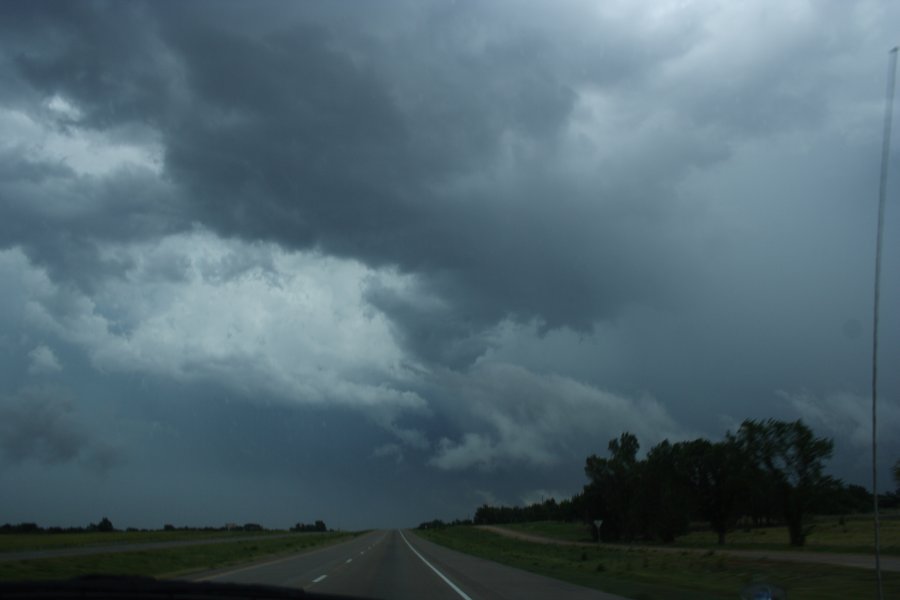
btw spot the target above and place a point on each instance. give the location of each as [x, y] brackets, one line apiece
[882, 190]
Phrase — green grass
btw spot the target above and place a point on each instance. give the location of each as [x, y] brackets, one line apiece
[657, 575]
[828, 535]
[167, 562]
[15, 542]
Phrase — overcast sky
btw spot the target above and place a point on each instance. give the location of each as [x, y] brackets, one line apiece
[379, 262]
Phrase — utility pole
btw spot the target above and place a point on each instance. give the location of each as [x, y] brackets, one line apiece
[882, 191]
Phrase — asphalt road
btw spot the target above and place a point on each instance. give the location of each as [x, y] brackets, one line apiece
[396, 565]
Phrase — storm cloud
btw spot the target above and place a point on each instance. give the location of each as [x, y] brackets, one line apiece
[484, 237]
[38, 424]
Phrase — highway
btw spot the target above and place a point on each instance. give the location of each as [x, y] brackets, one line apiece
[398, 565]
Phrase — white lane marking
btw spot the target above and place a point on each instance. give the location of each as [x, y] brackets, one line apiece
[319, 578]
[433, 568]
[349, 560]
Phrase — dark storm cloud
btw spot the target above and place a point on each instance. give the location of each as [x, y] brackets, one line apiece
[574, 218]
[306, 143]
[106, 58]
[384, 151]
[38, 424]
[390, 155]
[61, 219]
[104, 63]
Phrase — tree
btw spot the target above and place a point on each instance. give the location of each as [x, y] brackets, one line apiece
[104, 525]
[612, 491]
[789, 460]
[716, 477]
[664, 496]
[897, 475]
[842, 499]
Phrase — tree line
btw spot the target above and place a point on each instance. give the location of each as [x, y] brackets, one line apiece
[317, 526]
[767, 472]
[105, 525]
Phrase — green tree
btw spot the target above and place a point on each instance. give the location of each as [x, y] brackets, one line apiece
[104, 525]
[842, 499]
[612, 491]
[897, 475]
[790, 459]
[665, 497]
[716, 477]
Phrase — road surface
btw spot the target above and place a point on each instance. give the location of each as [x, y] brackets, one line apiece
[398, 565]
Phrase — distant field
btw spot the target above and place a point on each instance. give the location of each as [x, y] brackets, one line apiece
[14, 542]
[169, 562]
[657, 575]
[855, 535]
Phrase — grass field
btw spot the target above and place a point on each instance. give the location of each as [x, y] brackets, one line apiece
[829, 535]
[648, 574]
[557, 530]
[15, 542]
[167, 562]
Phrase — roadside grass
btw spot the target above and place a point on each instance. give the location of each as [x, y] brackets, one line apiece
[648, 574]
[168, 562]
[854, 535]
[16, 542]
[557, 530]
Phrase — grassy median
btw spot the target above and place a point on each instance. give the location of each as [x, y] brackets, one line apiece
[167, 562]
[649, 574]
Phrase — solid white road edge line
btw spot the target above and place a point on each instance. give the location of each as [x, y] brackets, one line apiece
[433, 568]
[319, 578]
